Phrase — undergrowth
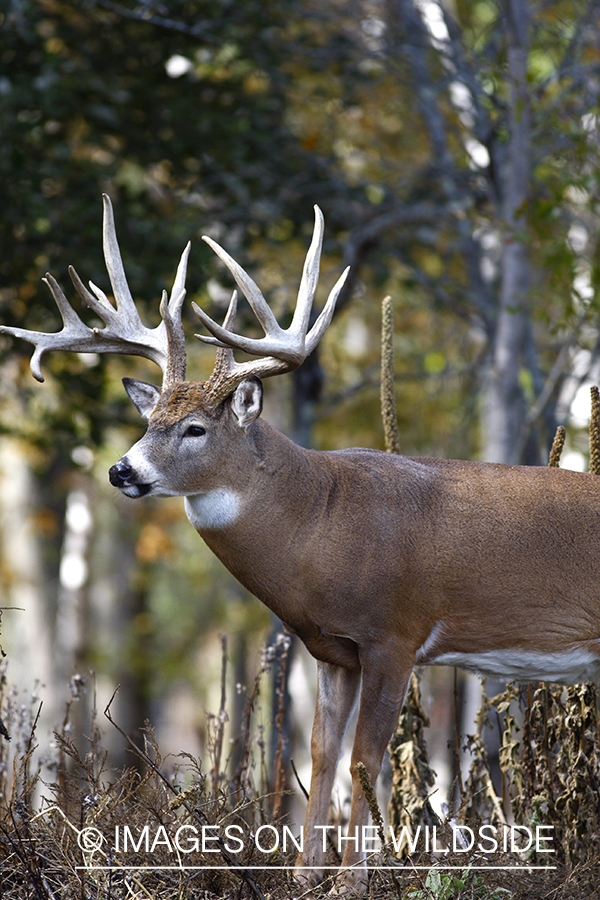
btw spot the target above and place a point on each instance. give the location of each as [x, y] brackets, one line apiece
[167, 829]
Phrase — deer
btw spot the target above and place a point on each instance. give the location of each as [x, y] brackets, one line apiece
[377, 562]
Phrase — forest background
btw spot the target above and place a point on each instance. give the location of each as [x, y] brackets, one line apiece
[453, 148]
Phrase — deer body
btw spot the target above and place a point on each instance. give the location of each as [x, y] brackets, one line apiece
[381, 562]
[464, 563]
[376, 562]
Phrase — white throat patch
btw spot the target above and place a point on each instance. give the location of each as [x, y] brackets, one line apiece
[215, 510]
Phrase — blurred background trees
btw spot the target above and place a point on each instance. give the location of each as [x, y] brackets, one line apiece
[453, 147]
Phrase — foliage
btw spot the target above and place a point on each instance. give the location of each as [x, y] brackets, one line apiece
[553, 769]
[233, 119]
[412, 776]
[174, 152]
[446, 886]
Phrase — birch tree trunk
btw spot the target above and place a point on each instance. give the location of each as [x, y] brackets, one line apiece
[506, 407]
[26, 598]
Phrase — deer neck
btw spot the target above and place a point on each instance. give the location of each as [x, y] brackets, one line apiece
[260, 486]
[250, 519]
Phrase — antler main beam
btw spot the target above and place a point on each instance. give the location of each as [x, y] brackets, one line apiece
[124, 331]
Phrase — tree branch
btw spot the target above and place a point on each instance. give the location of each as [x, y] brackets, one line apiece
[142, 14]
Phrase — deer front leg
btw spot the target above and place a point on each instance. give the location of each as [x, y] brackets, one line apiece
[337, 690]
[385, 677]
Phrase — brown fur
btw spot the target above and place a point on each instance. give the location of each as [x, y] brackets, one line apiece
[377, 560]
[179, 401]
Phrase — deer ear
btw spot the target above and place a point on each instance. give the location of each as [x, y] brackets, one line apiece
[247, 401]
[144, 396]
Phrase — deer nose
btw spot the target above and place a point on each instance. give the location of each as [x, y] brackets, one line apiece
[119, 473]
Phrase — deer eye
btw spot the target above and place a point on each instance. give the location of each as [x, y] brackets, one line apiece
[195, 431]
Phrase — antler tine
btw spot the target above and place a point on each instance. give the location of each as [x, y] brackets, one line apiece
[248, 287]
[114, 263]
[310, 277]
[224, 363]
[308, 287]
[326, 315]
[43, 342]
[228, 373]
[171, 315]
[288, 345]
[124, 331]
[281, 350]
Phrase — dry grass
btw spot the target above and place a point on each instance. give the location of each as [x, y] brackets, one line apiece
[98, 833]
[95, 826]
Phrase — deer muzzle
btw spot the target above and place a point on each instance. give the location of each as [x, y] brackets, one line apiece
[122, 476]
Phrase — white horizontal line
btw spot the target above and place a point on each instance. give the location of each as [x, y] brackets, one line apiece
[400, 869]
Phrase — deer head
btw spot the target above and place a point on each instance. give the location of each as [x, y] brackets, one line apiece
[234, 385]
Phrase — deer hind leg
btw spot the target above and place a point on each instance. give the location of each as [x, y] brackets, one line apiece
[337, 691]
[385, 676]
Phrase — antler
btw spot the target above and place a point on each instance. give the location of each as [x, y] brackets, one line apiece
[280, 350]
[124, 331]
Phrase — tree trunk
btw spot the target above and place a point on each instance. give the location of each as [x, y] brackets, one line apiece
[506, 408]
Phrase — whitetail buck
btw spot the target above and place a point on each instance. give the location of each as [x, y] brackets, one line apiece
[377, 562]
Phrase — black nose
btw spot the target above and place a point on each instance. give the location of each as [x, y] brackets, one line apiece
[119, 473]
